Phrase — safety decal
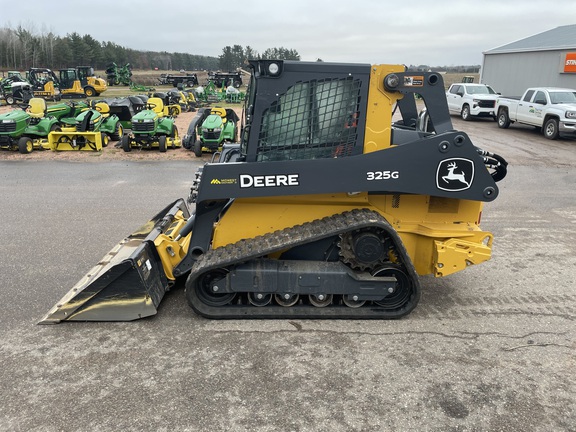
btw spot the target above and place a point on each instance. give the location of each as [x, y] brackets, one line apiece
[414, 81]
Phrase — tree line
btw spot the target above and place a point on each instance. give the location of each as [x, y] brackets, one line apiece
[237, 56]
[22, 48]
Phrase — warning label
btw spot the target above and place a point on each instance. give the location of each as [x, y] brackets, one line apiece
[414, 81]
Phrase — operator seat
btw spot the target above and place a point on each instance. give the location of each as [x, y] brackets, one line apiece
[37, 108]
[219, 111]
[158, 105]
[103, 108]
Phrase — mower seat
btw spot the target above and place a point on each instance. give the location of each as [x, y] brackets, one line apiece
[103, 108]
[37, 108]
[158, 105]
[219, 111]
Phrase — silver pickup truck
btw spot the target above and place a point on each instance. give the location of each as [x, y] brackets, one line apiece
[552, 109]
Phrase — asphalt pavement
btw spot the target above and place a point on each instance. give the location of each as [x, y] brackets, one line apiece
[488, 349]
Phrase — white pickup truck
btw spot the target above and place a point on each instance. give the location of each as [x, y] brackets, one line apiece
[552, 109]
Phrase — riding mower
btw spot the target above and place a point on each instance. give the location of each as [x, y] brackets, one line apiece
[210, 128]
[125, 108]
[151, 129]
[91, 130]
[171, 102]
[27, 129]
[185, 99]
[67, 112]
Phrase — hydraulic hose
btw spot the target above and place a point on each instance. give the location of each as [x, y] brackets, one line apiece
[494, 162]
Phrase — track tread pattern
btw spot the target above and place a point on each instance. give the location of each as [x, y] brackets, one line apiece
[248, 249]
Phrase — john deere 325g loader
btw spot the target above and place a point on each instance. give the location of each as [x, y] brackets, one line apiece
[326, 209]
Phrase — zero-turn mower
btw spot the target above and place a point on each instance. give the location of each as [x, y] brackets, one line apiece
[325, 209]
[91, 130]
[27, 129]
[152, 129]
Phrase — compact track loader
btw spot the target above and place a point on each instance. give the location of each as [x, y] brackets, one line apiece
[326, 209]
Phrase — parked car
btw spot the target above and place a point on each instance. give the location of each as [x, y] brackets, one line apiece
[550, 108]
[471, 100]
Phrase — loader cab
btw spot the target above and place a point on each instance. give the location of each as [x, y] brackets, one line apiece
[67, 78]
[39, 77]
[83, 73]
[304, 110]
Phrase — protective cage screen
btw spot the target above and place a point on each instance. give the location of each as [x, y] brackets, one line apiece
[313, 119]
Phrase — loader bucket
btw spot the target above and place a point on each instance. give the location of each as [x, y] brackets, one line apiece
[130, 281]
[87, 141]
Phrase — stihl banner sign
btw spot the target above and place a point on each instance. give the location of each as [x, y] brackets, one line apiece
[570, 63]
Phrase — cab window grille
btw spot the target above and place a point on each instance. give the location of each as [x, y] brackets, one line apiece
[313, 119]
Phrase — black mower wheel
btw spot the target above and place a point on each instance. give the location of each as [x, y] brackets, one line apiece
[25, 145]
[125, 141]
[105, 139]
[198, 148]
[10, 100]
[118, 132]
[162, 143]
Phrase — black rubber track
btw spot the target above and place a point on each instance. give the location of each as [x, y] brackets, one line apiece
[245, 250]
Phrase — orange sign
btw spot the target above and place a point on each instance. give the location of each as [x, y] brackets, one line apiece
[570, 63]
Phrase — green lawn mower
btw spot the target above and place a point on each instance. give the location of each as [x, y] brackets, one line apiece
[91, 130]
[210, 128]
[27, 129]
[151, 129]
[66, 112]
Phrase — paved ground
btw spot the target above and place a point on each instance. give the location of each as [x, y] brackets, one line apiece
[488, 349]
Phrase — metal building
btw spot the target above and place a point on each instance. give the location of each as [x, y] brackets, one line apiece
[545, 59]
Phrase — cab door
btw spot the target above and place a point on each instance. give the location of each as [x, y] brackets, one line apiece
[67, 78]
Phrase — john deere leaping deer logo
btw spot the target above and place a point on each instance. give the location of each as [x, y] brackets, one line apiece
[455, 174]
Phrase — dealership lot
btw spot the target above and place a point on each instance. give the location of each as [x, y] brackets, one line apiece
[491, 348]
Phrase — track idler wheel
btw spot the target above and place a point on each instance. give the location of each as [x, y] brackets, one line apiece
[210, 292]
[401, 292]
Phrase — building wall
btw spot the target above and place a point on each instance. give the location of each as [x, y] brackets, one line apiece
[511, 73]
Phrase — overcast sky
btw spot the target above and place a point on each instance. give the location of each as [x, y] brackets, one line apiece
[436, 33]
